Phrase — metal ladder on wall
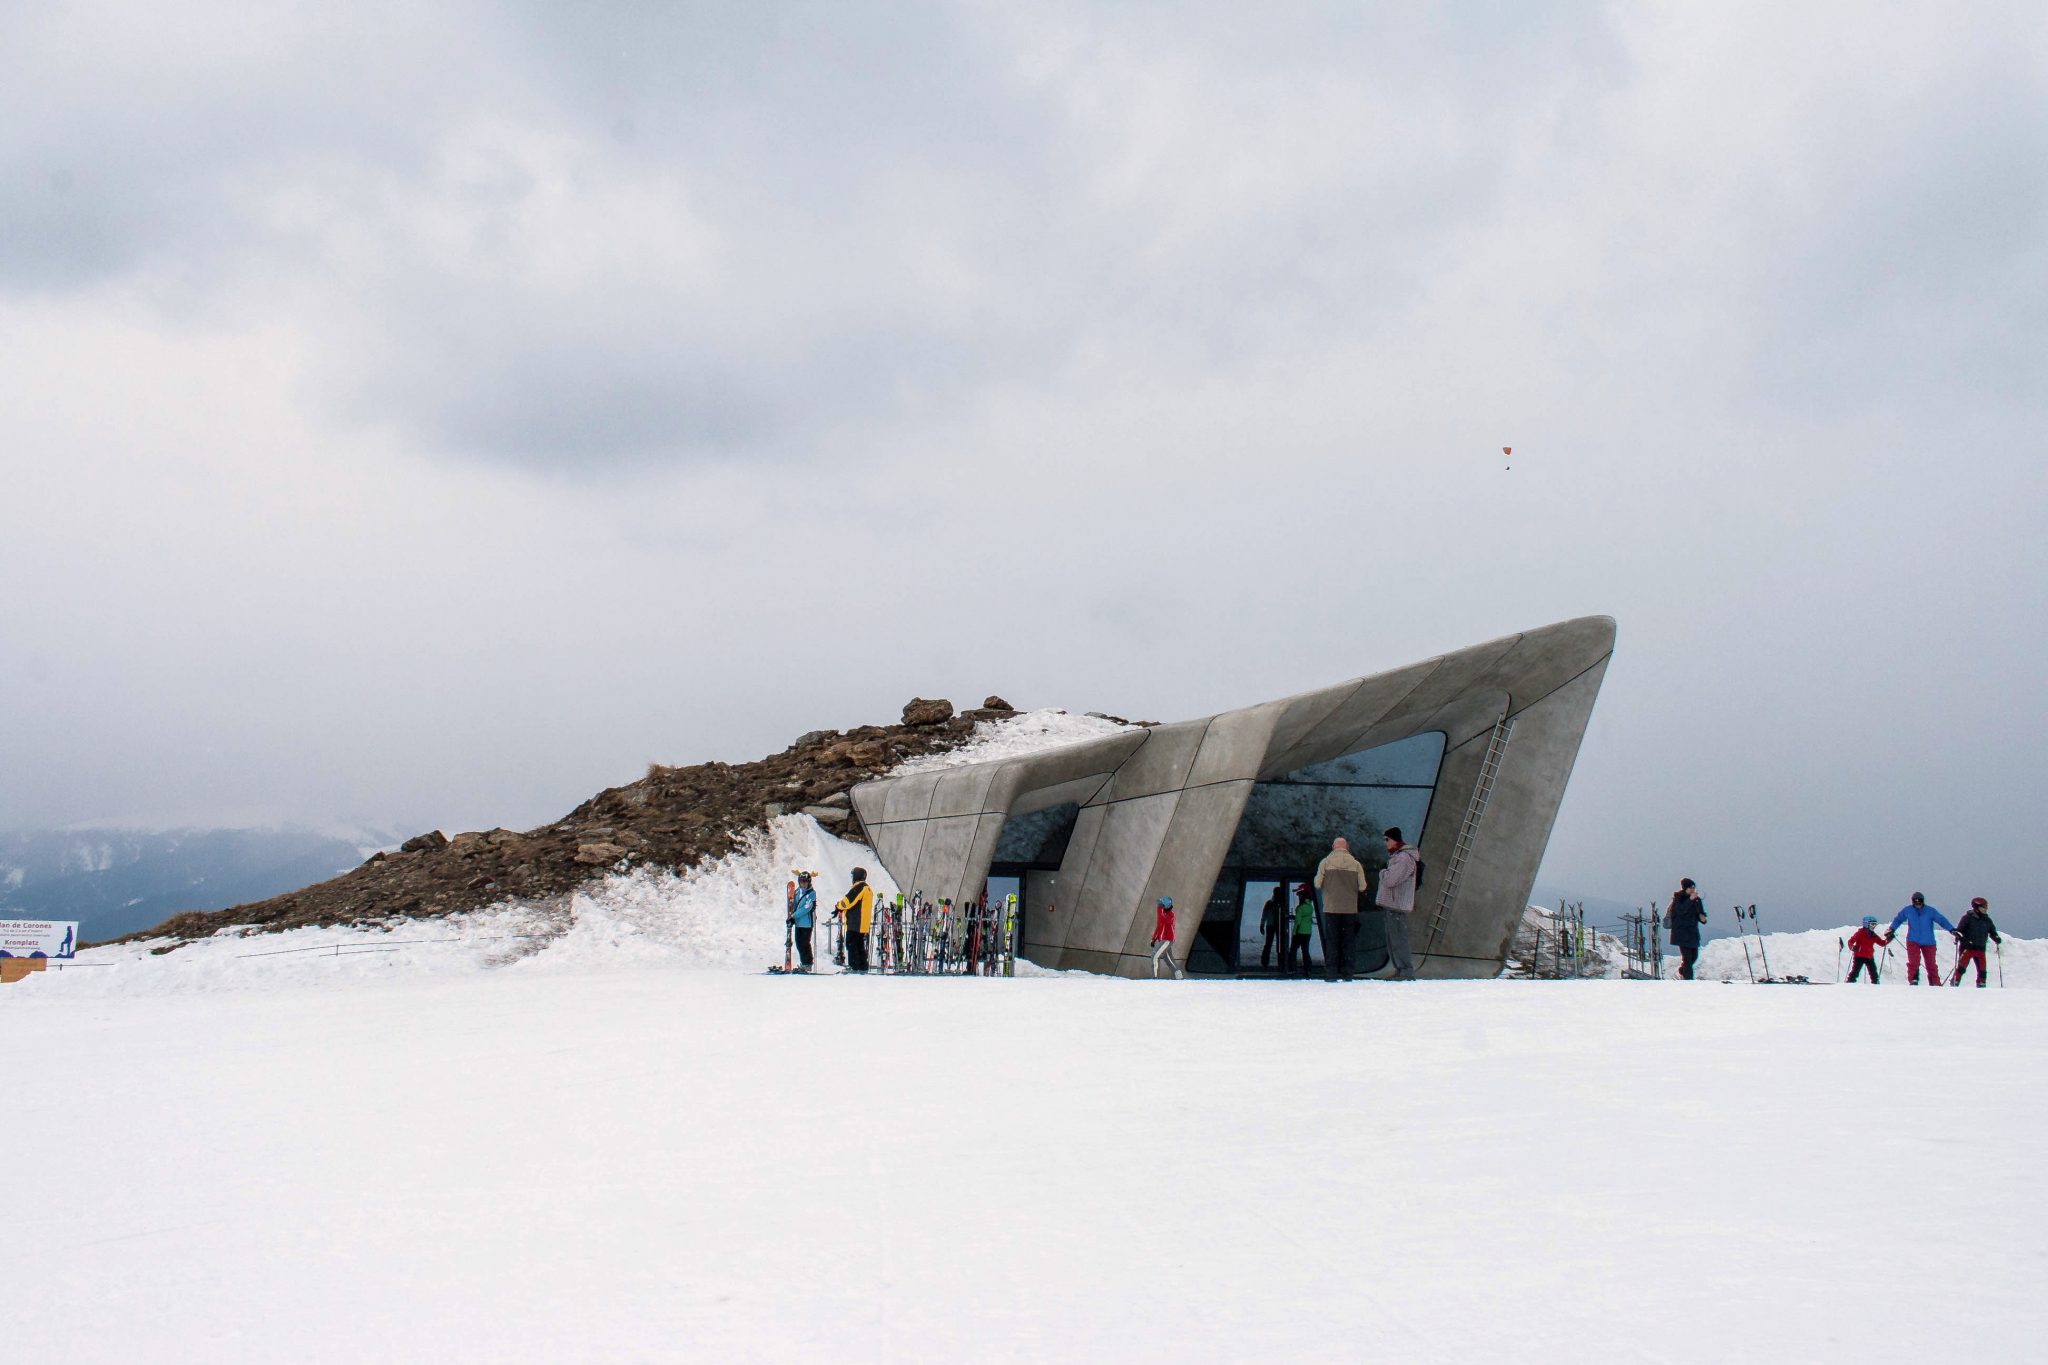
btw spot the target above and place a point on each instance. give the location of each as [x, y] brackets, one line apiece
[1482, 792]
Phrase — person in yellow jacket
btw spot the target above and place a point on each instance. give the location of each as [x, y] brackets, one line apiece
[857, 909]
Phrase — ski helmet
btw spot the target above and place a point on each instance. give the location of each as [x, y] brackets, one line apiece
[1919, 899]
[1979, 903]
[1166, 902]
[1870, 921]
[860, 874]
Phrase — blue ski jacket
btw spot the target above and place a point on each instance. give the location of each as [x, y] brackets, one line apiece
[805, 906]
[1920, 921]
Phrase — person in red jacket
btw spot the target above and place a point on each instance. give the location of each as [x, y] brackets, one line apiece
[1863, 945]
[1162, 938]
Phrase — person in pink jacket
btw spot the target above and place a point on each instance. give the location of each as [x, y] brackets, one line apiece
[1162, 938]
[1398, 884]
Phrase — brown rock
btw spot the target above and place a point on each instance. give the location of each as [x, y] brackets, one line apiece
[995, 704]
[921, 711]
[421, 843]
[595, 854]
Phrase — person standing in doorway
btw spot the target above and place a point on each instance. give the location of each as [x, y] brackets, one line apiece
[803, 911]
[1399, 881]
[1972, 931]
[1341, 880]
[1270, 926]
[1863, 946]
[1304, 924]
[1920, 919]
[1683, 920]
[1162, 938]
[857, 907]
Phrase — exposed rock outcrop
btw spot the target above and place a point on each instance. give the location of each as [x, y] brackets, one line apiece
[672, 817]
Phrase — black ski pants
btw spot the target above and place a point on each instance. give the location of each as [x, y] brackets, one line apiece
[803, 947]
[1297, 944]
[1340, 941]
[1688, 953]
[1861, 963]
[856, 951]
[1266, 949]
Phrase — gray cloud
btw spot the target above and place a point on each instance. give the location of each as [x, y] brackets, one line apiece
[435, 415]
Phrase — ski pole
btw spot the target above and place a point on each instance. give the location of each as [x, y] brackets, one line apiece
[2001, 964]
[1839, 945]
[1760, 943]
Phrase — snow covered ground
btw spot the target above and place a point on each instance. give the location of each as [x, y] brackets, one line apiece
[658, 1162]
[592, 1131]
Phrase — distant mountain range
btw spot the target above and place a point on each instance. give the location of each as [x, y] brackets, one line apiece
[115, 881]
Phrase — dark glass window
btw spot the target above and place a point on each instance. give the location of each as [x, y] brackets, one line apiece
[1288, 822]
[1038, 839]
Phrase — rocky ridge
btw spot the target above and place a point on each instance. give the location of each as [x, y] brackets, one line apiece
[672, 817]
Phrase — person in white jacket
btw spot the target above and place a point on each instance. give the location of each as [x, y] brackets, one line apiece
[1397, 897]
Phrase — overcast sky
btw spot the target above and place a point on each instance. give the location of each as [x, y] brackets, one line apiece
[428, 415]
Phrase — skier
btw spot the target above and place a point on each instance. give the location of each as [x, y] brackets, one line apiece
[1971, 931]
[1341, 879]
[1920, 919]
[1684, 918]
[803, 909]
[1863, 946]
[1304, 924]
[1398, 883]
[1162, 938]
[858, 906]
[1269, 925]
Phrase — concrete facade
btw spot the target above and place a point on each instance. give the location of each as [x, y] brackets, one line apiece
[1156, 811]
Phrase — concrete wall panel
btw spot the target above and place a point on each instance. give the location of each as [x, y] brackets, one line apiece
[1235, 744]
[943, 862]
[1048, 933]
[1161, 764]
[909, 798]
[1118, 870]
[961, 791]
[1548, 658]
[897, 846]
[1328, 739]
[1455, 675]
[1190, 855]
[1501, 870]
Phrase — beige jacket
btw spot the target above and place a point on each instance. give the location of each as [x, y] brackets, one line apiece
[1341, 879]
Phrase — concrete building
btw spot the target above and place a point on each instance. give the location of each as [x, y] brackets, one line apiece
[1468, 753]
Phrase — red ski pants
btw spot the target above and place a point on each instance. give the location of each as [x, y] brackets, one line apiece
[1964, 959]
[1913, 954]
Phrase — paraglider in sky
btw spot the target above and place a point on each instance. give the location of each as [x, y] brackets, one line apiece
[1508, 451]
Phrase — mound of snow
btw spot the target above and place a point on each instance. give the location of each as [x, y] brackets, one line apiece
[726, 913]
[1028, 733]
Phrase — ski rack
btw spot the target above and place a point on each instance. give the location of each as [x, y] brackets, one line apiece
[917, 936]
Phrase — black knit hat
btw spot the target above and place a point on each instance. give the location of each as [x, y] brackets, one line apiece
[1395, 834]
[1685, 884]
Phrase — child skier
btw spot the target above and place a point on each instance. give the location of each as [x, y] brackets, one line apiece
[1304, 925]
[1971, 931]
[1863, 944]
[1162, 938]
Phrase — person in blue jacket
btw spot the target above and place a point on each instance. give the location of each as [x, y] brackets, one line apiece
[1920, 919]
[803, 909]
